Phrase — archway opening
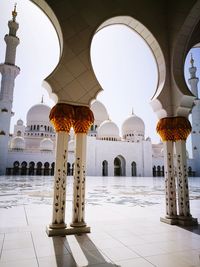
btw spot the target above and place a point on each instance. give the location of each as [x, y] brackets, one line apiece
[119, 166]
[24, 168]
[105, 168]
[121, 59]
[32, 54]
[31, 168]
[133, 169]
[192, 75]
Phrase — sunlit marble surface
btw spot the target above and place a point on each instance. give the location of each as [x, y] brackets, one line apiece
[123, 213]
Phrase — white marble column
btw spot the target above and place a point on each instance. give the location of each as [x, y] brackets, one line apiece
[175, 130]
[58, 220]
[61, 116]
[78, 210]
[183, 129]
[82, 123]
[182, 179]
[170, 186]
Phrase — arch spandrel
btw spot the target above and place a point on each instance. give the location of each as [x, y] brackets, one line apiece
[183, 99]
[73, 80]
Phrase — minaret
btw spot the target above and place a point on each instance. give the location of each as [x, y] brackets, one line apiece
[193, 81]
[9, 71]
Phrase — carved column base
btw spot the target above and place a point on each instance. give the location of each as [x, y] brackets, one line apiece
[67, 231]
[179, 220]
[173, 220]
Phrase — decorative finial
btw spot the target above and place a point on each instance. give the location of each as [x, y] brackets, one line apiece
[192, 61]
[132, 111]
[14, 12]
[42, 100]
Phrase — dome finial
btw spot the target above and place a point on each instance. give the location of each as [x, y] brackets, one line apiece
[14, 12]
[132, 111]
[42, 100]
[192, 60]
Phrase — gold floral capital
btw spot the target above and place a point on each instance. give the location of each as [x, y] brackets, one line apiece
[62, 117]
[83, 119]
[174, 128]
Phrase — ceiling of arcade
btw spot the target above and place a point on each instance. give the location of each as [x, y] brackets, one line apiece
[161, 25]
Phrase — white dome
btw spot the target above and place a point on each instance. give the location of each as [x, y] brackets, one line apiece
[99, 111]
[71, 146]
[38, 114]
[133, 124]
[108, 129]
[46, 144]
[20, 122]
[18, 142]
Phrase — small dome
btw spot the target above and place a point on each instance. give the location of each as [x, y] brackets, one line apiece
[20, 122]
[18, 143]
[99, 111]
[108, 129]
[71, 146]
[46, 144]
[38, 114]
[133, 124]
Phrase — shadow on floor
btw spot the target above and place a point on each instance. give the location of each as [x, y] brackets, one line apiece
[193, 228]
[79, 251]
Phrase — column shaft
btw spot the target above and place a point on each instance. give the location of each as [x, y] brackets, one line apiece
[170, 186]
[182, 179]
[58, 220]
[78, 209]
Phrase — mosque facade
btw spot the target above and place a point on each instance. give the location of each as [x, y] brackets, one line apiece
[30, 150]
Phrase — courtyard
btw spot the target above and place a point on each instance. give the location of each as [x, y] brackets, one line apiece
[124, 216]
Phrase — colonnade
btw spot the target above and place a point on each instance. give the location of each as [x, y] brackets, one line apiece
[174, 132]
[64, 116]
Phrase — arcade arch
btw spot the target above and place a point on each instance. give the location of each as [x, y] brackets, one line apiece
[119, 166]
[172, 101]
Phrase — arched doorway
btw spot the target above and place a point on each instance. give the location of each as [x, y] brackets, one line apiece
[24, 168]
[105, 168]
[46, 168]
[16, 168]
[133, 169]
[154, 171]
[119, 166]
[31, 168]
[158, 170]
[52, 168]
[39, 168]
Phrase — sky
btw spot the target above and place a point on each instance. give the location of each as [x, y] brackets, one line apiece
[115, 50]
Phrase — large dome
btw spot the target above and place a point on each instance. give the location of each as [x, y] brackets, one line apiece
[108, 129]
[38, 114]
[18, 143]
[99, 111]
[133, 124]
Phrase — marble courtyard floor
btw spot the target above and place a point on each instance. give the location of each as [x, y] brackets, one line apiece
[124, 217]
